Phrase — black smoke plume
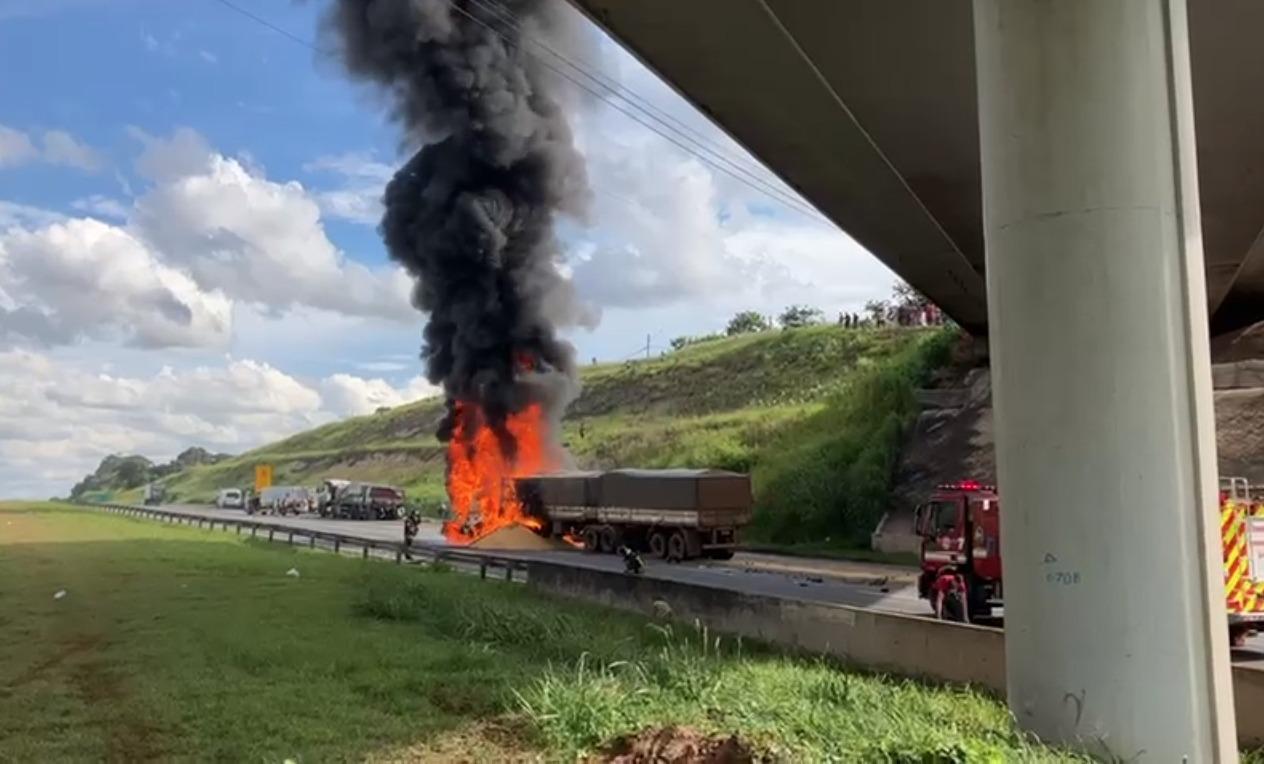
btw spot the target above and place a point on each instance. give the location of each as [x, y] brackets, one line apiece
[471, 214]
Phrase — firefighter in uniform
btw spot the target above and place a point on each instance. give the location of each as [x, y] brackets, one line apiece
[412, 521]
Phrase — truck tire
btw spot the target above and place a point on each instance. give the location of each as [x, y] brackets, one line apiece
[592, 539]
[677, 547]
[610, 540]
[658, 545]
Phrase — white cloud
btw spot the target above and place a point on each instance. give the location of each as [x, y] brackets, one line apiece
[348, 395]
[209, 233]
[84, 279]
[381, 366]
[208, 57]
[668, 228]
[667, 232]
[59, 418]
[361, 182]
[101, 206]
[354, 164]
[57, 147]
[13, 214]
[259, 240]
[61, 148]
[15, 147]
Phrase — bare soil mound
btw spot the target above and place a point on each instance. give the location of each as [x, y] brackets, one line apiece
[680, 745]
[517, 538]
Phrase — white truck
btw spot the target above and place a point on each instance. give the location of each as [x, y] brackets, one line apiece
[231, 498]
[285, 500]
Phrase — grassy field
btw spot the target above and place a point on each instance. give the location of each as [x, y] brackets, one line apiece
[815, 414]
[174, 643]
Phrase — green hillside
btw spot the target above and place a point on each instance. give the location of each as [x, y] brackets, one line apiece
[815, 414]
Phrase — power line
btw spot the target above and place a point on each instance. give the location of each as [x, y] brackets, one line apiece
[752, 184]
[738, 173]
[764, 186]
[279, 30]
[626, 93]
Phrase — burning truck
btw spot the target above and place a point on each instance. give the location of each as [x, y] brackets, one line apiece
[471, 217]
[672, 514]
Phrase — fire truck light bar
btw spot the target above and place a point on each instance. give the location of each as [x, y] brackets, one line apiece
[966, 485]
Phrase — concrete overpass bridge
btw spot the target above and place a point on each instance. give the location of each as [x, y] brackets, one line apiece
[869, 109]
[1081, 180]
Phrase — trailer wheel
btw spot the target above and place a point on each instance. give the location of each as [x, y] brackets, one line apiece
[609, 539]
[677, 547]
[592, 539]
[658, 545]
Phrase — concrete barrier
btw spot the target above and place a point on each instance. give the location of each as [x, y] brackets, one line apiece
[1248, 700]
[884, 641]
[898, 644]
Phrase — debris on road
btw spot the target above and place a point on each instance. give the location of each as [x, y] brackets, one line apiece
[59, 594]
[517, 538]
[669, 745]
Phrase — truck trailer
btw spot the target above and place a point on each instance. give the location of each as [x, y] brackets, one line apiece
[672, 514]
[960, 553]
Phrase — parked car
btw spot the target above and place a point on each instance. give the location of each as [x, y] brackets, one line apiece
[362, 501]
[231, 498]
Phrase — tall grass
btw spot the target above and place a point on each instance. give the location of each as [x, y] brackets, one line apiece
[599, 675]
[829, 474]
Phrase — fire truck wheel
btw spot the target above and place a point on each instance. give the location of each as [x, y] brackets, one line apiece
[609, 539]
[592, 539]
[658, 545]
[677, 547]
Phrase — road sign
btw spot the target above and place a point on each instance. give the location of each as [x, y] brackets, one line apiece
[263, 477]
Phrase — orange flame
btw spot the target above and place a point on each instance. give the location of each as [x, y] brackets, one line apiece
[481, 494]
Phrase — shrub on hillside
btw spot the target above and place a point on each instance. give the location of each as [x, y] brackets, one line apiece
[684, 342]
[796, 316]
[829, 475]
[747, 322]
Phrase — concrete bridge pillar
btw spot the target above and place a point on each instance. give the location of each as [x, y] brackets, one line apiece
[1116, 638]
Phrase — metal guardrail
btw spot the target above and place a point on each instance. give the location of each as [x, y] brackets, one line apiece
[335, 542]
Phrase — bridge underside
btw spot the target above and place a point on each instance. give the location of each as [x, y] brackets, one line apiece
[869, 109]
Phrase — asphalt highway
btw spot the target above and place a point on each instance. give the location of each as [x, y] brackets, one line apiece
[858, 585]
[879, 587]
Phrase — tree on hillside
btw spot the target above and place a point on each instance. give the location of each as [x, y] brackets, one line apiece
[905, 296]
[800, 315]
[747, 322]
[133, 472]
[877, 310]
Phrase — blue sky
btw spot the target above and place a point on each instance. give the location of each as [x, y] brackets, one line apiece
[157, 154]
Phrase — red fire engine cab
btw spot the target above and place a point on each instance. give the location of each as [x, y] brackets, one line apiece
[960, 552]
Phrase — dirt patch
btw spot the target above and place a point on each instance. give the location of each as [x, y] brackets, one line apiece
[499, 740]
[128, 737]
[517, 538]
[680, 745]
[65, 651]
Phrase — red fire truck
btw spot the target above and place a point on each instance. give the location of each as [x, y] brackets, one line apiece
[960, 553]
